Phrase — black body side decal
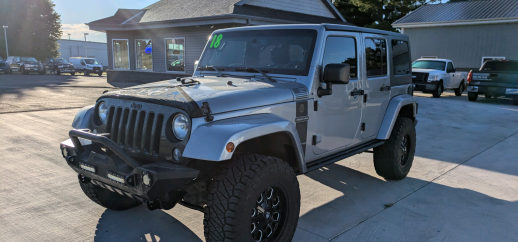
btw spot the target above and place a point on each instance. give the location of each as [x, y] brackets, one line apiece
[301, 122]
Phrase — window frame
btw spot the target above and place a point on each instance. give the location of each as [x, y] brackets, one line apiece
[356, 46]
[409, 58]
[152, 64]
[184, 55]
[386, 57]
[113, 55]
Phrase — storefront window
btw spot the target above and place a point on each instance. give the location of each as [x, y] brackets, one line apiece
[144, 54]
[175, 54]
[120, 54]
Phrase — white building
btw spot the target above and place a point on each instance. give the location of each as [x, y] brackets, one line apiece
[77, 48]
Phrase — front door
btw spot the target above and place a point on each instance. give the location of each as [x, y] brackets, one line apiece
[376, 86]
[339, 114]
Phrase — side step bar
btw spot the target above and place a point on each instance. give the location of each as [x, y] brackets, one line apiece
[344, 154]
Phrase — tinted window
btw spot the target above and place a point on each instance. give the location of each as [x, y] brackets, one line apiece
[433, 65]
[278, 51]
[60, 61]
[500, 66]
[341, 50]
[376, 57]
[450, 66]
[400, 57]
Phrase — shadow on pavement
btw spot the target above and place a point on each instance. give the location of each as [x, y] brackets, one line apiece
[436, 212]
[140, 224]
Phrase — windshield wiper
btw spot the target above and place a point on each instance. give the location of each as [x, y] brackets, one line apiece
[255, 70]
[211, 68]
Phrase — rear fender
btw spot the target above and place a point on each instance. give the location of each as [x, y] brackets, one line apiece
[393, 111]
[83, 118]
[208, 141]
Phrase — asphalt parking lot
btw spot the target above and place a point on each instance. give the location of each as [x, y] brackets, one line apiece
[463, 185]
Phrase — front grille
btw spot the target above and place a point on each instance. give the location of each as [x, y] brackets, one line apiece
[97, 68]
[137, 131]
[419, 77]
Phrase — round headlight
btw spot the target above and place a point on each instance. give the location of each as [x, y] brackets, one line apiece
[180, 126]
[103, 112]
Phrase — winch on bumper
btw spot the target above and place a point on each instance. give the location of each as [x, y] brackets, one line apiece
[101, 161]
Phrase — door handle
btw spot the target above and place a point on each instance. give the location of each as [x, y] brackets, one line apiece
[385, 88]
[357, 92]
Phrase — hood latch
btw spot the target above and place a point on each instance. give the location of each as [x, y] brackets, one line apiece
[205, 108]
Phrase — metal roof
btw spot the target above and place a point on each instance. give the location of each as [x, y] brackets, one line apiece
[489, 10]
[171, 10]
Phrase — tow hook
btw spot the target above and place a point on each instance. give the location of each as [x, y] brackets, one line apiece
[83, 179]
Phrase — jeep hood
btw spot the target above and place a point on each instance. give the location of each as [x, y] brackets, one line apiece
[223, 94]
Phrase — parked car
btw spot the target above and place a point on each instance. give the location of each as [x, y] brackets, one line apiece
[58, 66]
[4, 67]
[87, 65]
[436, 75]
[25, 65]
[266, 103]
[495, 78]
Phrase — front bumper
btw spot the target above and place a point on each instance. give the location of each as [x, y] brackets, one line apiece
[500, 91]
[100, 159]
[31, 69]
[429, 86]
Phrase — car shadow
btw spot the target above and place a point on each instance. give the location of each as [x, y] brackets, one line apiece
[140, 224]
[435, 212]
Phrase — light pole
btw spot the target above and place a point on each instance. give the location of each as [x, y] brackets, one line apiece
[86, 49]
[6, 46]
[69, 36]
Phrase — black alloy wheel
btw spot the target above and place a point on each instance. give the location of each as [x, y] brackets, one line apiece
[268, 215]
[405, 148]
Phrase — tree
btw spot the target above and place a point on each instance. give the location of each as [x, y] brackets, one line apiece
[378, 14]
[34, 28]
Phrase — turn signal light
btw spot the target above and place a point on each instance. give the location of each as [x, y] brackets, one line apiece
[230, 147]
[470, 76]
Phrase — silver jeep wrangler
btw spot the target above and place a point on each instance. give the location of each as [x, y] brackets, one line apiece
[265, 104]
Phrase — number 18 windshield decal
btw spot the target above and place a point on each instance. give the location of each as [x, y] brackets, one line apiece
[216, 41]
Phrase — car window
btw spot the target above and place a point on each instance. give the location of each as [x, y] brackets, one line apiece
[341, 50]
[450, 66]
[91, 62]
[433, 65]
[60, 61]
[400, 57]
[376, 57]
[511, 66]
[29, 59]
[17, 59]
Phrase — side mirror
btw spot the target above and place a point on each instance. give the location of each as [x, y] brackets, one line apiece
[337, 73]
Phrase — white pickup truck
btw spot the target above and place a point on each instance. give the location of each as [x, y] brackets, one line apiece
[431, 75]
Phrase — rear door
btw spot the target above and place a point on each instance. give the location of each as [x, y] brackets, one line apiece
[451, 80]
[376, 82]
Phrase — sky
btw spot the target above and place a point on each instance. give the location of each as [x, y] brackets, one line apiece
[75, 13]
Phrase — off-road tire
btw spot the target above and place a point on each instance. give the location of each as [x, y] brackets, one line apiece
[460, 90]
[472, 96]
[438, 91]
[234, 193]
[107, 198]
[388, 160]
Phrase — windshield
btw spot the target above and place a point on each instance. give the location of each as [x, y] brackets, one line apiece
[91, 61]
[28, 59]
[278, 51]
[435, 65]
[60, 61]
[500, 66]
